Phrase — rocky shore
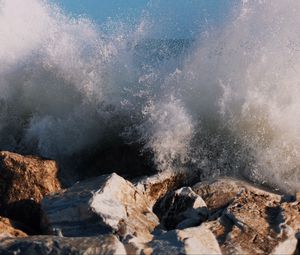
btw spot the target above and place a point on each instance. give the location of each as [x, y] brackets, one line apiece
[168, 213]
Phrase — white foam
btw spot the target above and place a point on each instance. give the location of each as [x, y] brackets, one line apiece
[232, 107]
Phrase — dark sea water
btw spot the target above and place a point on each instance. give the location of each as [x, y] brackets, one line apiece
[222, 102]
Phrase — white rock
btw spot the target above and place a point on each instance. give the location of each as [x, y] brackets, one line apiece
[197, 240]
[98, 206]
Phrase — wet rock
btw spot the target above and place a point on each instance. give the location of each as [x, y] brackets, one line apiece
[8, 228]
[181, 209]
[46, 245]
[100, 205]
[157, 186]
[256, 222]
[197, 240]
[24, 181]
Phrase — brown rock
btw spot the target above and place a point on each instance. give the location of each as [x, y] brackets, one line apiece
[24, 181]
[217, 193]
[221, 192]
[255, 222]
[291, 214]
[8, 228]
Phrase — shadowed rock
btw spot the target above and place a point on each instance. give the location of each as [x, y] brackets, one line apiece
[24, 181]
[53, 245]
[181, 209]
[157, 186]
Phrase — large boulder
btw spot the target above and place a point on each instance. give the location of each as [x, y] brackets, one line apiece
[106, 204]
[24, 181]
[251, 220]
[9, 228]
[196, 240]
[54, 245]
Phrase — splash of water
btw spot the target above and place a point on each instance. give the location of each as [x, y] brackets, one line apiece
[244, 81]
[226, 103]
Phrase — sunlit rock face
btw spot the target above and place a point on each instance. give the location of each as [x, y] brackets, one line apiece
[107, 204]
[250, 219]
[9, 228]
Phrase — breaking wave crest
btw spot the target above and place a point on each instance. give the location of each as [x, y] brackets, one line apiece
[226, 102]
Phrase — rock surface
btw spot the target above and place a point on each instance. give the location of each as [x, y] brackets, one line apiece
[109, 215]
[53, 245]
[157, 186]
[8, 228]
[103, 205]
[24, 181]
[221, 192]
[181, 209]
[253, 221]
[196, 240]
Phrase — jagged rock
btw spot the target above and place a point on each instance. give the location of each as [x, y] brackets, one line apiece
[24, 181]
[8, 228]
[196, 240]
[53, 245]
[219, 193]
[157, 186]
[255, 222]
[181, 209]
[105, 204]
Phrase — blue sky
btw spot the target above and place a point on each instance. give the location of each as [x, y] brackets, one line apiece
[171, 18]
[101, 10]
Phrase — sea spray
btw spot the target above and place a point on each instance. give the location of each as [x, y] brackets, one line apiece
[224, 102]
[242, 83]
